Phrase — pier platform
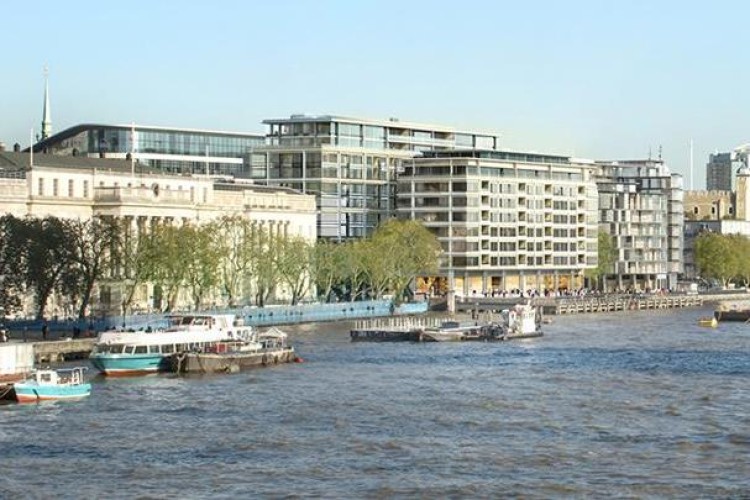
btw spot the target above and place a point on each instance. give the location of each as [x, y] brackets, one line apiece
[428, 329]
[56, 351]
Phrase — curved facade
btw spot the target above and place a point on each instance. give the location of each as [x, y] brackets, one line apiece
[170, 150]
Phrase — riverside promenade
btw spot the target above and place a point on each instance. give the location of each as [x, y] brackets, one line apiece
[599, 303]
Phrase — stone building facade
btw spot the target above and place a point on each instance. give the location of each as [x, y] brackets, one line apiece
[84, 188]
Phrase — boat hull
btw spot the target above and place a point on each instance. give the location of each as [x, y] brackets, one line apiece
[31, 393]
[231, 362]
[438, 336]
[733, 315]
[124, 365]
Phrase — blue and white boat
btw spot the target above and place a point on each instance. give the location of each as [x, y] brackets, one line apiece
[45, 385]
[122, 353]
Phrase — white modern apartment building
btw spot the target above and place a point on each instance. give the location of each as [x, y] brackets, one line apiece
[506, 220]
[641, 208]
[350, 164]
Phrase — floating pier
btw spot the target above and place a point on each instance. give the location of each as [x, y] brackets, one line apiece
[394, 329]
[420, 329]
[57, 351]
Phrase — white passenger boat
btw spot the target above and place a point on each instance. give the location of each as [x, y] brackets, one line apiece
[142, 352]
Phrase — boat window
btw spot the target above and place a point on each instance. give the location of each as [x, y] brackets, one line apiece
[180, 348]
[116, 349]
[153, 349]
[46, 377]
[140, 349]
[128, 349]
[167, 348]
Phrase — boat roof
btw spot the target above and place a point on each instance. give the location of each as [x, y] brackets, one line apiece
[273, 332]
[60, 370]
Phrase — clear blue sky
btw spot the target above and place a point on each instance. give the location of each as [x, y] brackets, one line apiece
[596, 79]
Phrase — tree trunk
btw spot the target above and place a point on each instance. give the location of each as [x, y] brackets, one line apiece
[85, 300]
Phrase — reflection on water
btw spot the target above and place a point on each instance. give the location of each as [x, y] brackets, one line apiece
[625, 404]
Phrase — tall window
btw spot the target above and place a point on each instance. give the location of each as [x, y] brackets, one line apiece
[85, 189]
[41, 187]
[70, 188]
[55, 184]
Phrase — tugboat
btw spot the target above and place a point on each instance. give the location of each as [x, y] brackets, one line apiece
[520, 322]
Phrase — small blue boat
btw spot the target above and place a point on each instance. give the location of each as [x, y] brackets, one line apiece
[44, 385]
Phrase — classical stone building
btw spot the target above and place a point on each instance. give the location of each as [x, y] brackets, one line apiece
[723, 212]
[709, 205]
[139, 197]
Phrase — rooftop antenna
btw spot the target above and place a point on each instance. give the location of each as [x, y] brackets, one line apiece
[659, 152]
[649, 152]
[132, 149]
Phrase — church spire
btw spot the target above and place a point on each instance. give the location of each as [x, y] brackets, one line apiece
[46, 115]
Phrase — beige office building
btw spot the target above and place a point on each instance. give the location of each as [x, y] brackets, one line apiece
[506, 220]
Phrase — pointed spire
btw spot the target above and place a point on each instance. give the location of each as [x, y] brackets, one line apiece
[46, 115]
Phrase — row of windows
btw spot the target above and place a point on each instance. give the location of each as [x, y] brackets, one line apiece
[522, 188]
[500, 217]
[169, 142]
[71, 191]
[462, 170]
[501, 261]
[70, 188]
[374, 136]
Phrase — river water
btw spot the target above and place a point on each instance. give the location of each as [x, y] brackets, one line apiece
[636, 404]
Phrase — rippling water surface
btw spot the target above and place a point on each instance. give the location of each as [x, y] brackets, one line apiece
[625, 404]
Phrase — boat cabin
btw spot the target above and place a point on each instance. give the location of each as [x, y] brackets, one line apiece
[63, 376]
